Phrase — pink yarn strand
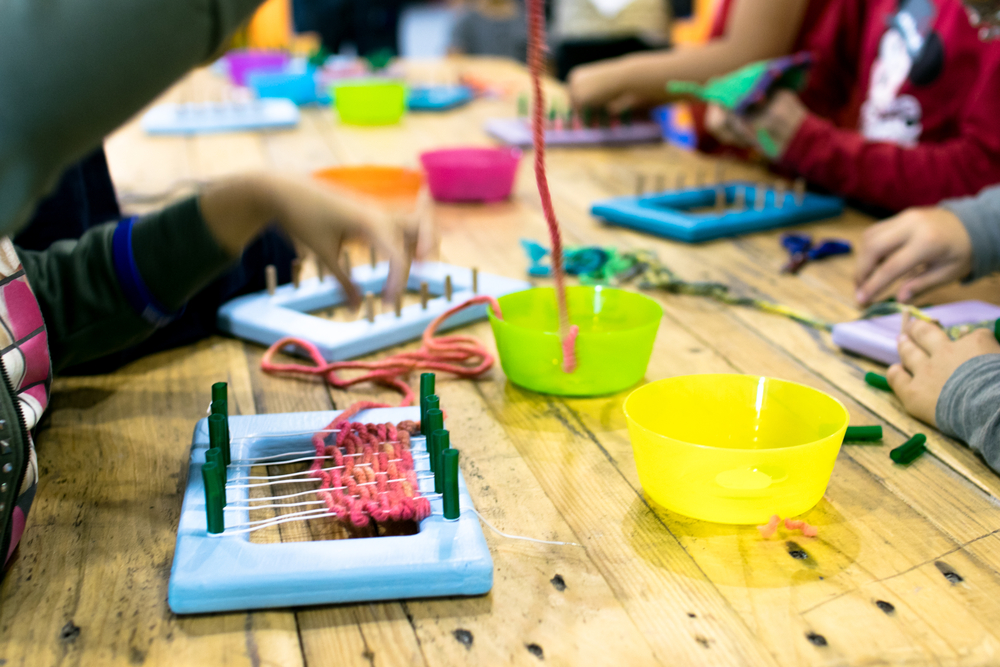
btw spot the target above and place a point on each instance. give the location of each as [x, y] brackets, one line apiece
[536, 41]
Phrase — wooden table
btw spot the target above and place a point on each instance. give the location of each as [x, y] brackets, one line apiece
[906, 569]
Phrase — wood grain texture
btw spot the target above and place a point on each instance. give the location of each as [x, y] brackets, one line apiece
[905, 570]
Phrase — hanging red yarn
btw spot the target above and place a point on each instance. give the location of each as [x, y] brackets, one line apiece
[458, 354]
[536, 63]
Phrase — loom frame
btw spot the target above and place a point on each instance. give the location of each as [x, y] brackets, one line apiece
[266, 319]
[214, 574]
[667, 214]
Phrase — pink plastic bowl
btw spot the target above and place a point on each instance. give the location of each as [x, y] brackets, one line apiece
[241, 63]
[471, 174]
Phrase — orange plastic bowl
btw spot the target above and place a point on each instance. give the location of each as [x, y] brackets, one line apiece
[380, 182]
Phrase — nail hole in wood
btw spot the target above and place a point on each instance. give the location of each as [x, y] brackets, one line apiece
[816, 639]
[558, 582]
[887, 607]
[464, 637]
[536, 650]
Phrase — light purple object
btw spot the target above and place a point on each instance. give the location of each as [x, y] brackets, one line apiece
[471, 174]
[517, 132]
[241, 63]
[876, 338]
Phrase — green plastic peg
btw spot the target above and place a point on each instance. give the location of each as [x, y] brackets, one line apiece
[215, 498]
[435, 420]
[909, 450]
[433, 450]
[426, 390]
[433, 403]
[215, 456]
[856, 433]
[218, 435]
[222, 408]
[877, 381]
[996, 329]
[441, 441]
[219, 392]
[450, 460]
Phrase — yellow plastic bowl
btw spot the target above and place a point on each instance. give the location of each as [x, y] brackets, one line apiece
[734, 448]
[617, 330]
[369, 102]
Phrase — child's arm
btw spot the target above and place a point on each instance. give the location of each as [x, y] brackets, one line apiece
[71, 72]
[954, 385]
[929, 247]
[119, 281]
[876, 172]
[756, 29]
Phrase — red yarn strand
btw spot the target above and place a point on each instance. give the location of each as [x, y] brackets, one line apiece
[536, 63]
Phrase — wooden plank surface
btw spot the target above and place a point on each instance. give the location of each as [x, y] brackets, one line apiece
[905, 571]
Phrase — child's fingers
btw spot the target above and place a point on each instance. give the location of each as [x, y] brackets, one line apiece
[911, 355]
[425, 233]
[879, 241]
[933, 277]
[331, 259]
[899, 379]
[929, 337]
[399, 271]
[898, 263]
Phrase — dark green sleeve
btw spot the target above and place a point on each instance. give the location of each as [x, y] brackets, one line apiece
[86, 313]
[71, 71]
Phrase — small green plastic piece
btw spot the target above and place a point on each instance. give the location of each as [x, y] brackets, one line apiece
[588, 116]
[766, 143]
[909, 450]
[877, 381]
[220, 407]
[219, 392]
[215, 456]
[435, 420]
[552, 115]
[449, 458]
[996, 329]
[856, 433]
[433, 403]
[433, 449]
[215, 498]
[218, 435]
[442, 443]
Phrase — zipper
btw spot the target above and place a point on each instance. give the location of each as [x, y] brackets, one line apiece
[25, 449]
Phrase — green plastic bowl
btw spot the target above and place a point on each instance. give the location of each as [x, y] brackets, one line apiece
[369, 102]
[617, 330]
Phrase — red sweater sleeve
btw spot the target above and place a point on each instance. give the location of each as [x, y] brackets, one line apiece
[888, 175]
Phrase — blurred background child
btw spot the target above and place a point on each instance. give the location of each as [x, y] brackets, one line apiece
[586, 31]
[491, 28]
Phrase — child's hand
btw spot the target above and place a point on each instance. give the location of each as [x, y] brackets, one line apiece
[769, 129]
[929, 358]
[601, 84]
[322, 218]
[928, 245]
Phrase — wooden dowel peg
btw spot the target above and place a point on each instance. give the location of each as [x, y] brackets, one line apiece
[759, 197]
[397, 305]
[370, 307]
[740, 198]
[800, 191]
[296, 272]
[447, 287]
[659, 183]
[779, 194]
[681, 181]
[720, 173]
[347, 264]
[720, 198]
[319, 268]
[424, 296]
[475, 280]
[271, 278]
[640, 184]
[372, 257]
